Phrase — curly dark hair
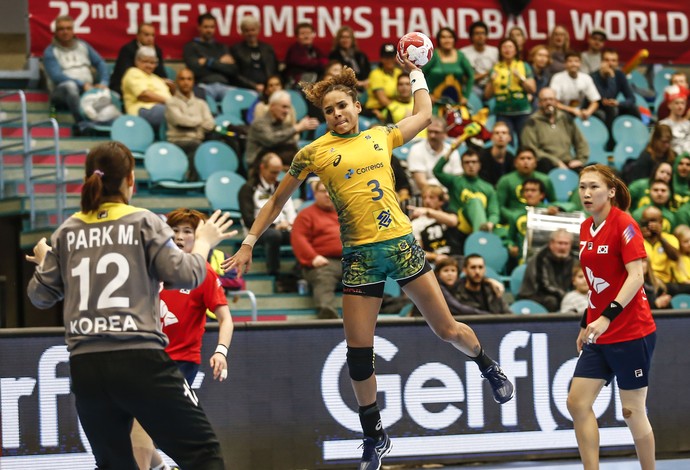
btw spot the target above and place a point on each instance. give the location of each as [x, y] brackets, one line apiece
[345, 82]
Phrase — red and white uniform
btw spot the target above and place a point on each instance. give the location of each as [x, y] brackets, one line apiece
[183, 314]
[604, 252]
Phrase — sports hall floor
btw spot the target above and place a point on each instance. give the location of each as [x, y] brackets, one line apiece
[607, 464]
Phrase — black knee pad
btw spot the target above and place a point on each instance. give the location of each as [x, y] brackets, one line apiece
[360, 362]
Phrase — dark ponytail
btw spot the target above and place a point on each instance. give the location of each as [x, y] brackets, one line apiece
[107, 165]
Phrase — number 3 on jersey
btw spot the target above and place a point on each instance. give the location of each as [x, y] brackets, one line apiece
[376, 189]
[105, 299]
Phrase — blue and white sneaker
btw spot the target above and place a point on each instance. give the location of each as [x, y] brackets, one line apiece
[501, 387]
[374, 452]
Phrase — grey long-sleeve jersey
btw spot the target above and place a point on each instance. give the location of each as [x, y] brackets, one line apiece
[107, 266]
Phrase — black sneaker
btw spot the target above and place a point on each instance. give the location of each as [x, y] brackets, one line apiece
[374, 452]
[501, 387]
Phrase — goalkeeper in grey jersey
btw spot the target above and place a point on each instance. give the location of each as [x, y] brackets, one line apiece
[106, 263]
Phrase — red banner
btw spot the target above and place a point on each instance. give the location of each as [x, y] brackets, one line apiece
[662, 26]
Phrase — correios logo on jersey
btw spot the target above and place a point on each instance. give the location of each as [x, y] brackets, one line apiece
[450, 409]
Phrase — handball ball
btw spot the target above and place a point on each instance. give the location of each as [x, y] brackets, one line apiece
[418, 46]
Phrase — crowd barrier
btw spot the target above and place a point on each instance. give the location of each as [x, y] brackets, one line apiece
[288, 403]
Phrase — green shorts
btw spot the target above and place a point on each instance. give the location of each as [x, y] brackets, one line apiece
[366, 267]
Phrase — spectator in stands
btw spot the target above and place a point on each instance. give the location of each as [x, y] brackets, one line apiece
[315, 240]
[509, 186]
[681, 180]
[575, 91]
[662, 248]
[558, 44]
[424, 155]
[575, 301]
[476, 290]
[654, 289]
[676, 99]
[610, 82]
[144, 92]
[402, 104]
[253, 195]
[639, 189]
[213, 66]
[272, 132]
[383, 82]
[549, 272]
[661, 197]
[470, 197]
[511, 83]
[447, 273]
[681, 271]
[69, 64]
[533, 191]
[482, 57]
[496, 160]
[146, 35]
[679, 79]
[592, 57]
[554, 136]
[189, 119]
[332, 69]
[658, 150]
[434, 228]
[449, 74]
[517, 34]
[346, 52]
[256, 60]
[304, 62]
[540, 60]
[260, 108]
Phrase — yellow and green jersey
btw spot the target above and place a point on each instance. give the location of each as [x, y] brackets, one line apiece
[356, 170]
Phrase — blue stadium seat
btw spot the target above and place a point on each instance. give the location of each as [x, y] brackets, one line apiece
[214, 155]
[526, 306]
[595, 132]
[490, 247]
[167, 166]
[630, 130]
[681, 301]
[222, 191]
[516, 278]
[662, 79]
[238, 100]
[626, 150]
[299, 103]
[135, 132]
[564, 182]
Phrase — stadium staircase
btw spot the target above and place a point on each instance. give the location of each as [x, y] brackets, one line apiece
[42, 166]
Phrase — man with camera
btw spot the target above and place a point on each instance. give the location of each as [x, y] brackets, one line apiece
[661, 247]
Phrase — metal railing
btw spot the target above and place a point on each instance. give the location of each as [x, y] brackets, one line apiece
[56, 177]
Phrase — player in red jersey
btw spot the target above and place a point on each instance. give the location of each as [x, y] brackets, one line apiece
[617, 334]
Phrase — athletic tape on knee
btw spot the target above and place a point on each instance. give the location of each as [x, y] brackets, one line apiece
[360, 362]
[637, 422]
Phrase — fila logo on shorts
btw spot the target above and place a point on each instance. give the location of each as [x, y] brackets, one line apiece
[638, 373]
[603, 250]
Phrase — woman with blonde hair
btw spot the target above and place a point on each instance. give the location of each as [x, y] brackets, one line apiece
[558, 44]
